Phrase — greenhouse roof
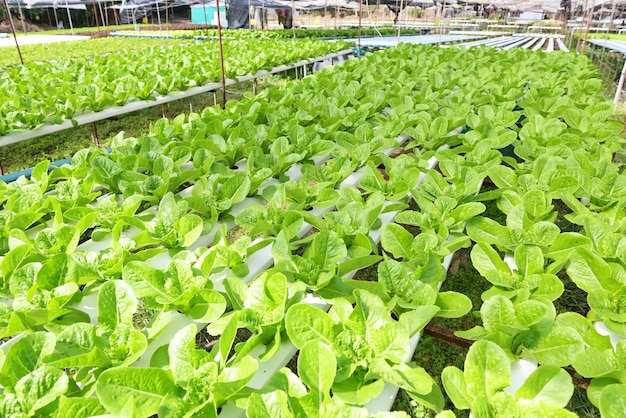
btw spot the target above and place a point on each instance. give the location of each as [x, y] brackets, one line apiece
[550, 6]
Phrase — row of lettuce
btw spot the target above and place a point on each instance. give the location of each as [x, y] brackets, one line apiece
[135, 40]
[273, 34]
[168, 222]
[34, 53]
[53, 92]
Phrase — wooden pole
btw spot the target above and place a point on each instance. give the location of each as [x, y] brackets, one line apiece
[593, 5]
[94, 135]
[399, 21]
[17, 45]
[95, 14]
[293, 18]
[219, 37]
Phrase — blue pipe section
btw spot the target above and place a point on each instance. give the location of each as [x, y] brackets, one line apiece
[11, 177]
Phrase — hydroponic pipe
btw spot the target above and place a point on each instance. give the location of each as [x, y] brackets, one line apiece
[11, 177]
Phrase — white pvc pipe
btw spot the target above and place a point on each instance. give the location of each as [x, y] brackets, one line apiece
[620, 85]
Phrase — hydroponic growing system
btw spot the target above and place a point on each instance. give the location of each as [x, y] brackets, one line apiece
[246, 227]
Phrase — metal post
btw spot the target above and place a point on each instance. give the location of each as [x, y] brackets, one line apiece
[69, 16]
[56, 18]
[219, 37]
[158, 14]
[249, 19]
[104, 21]
[17, 45]
[620, 85]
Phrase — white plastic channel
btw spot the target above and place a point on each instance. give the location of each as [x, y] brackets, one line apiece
[384, 401]
[89, 302]
[603, 330]
[257, 263]
[86, 118]
[561, 45]
[486, 42]
[517, 43]
[529, 43]
[521, 368]
[550, 47]
[539, 44]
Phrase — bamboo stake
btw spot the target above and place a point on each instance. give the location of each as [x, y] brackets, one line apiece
[399, 21]
[95, 14]
[593, 5]
[17, 45]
